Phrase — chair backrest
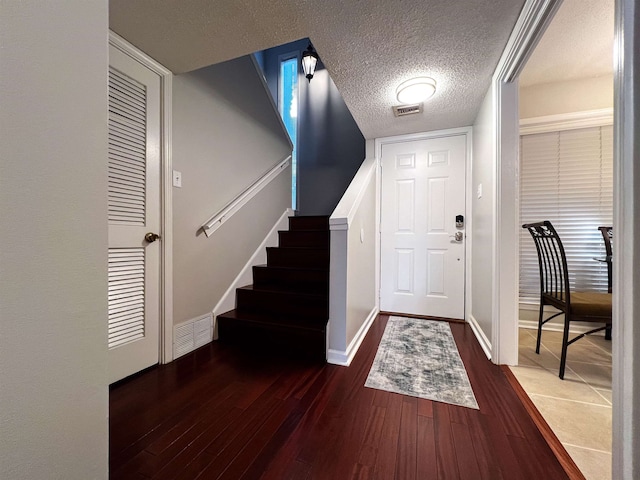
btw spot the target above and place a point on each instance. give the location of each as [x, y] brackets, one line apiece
[554, 275]
[607, 236]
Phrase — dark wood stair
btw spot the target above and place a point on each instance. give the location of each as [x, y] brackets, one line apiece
[285, 311]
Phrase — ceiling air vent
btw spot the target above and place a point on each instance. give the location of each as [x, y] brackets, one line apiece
[401, 110]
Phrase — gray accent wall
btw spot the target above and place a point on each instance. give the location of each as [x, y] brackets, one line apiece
[226, 135]
[331, 147]
[54, 397]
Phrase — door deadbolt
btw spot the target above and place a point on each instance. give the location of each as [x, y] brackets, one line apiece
[151, 237]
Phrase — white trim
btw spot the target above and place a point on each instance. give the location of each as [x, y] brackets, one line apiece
[166, 191]
[566, 121]
[245, 276]
[338, 357]
[626, 221]
[344, 212]
[468, 132]
[125, 47]
[533, 20]
[468, 228]
[411, 137]
[218, 219]
[480, 336]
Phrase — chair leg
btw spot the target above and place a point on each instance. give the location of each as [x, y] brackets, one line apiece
[607, 333]
[539, 327]
[565, 341]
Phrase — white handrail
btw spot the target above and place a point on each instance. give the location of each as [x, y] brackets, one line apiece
[237, 203]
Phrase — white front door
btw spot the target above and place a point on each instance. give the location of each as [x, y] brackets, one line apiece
[422, 261]
[134, 211]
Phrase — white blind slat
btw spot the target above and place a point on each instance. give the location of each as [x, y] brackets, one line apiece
[567, 178]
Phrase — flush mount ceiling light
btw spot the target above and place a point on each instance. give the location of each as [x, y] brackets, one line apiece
[416, 90]
[309, 61]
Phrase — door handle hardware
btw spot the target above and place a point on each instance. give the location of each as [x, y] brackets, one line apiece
[458, 236]
[151, 237]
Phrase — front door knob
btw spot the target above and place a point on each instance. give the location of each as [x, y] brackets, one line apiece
[458, 236]
[151, 237]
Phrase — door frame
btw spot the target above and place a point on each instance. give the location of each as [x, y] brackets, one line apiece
[468, 133]
[626, 297]
[533, 20]
[165, 347]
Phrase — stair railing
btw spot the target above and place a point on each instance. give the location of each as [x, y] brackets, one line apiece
[238, 202]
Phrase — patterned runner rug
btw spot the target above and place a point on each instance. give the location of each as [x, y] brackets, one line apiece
[419, 358]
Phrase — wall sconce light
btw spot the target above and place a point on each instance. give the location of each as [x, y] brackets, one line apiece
[309, 61]
[416, 90]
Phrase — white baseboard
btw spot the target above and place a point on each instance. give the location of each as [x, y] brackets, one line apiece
[245, 277]
[344, 358]
[482, 338]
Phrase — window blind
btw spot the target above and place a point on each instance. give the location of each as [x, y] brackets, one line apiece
[566, 177]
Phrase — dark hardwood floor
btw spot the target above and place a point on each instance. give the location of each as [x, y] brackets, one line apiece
[220, 414]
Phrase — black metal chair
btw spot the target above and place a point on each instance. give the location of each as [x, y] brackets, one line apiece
[555, 291]
[607, 236]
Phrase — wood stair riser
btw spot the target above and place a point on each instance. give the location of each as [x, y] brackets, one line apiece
[297, 257]
[309, 223]
[304, 238]
[293, 279]
[307, 343]
[282, 304]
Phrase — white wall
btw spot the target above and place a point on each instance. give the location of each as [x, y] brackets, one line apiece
[483, 173]
[566, 97]
[53, 237]
[352, 288]
[226, 135]
[361, 262]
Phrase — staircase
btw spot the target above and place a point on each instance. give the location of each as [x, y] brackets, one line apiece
[286, 309]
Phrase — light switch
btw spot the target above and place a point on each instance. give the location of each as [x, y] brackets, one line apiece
[177, 179]
[479, 190]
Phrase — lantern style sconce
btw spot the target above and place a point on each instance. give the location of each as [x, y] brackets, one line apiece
[309, 61]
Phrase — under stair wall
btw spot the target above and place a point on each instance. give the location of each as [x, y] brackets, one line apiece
[353, 281]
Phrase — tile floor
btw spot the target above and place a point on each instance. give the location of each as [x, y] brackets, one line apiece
[578, 408]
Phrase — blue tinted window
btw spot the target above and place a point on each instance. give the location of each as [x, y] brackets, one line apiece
[288, 106]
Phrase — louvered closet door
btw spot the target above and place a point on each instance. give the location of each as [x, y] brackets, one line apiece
[134, 210]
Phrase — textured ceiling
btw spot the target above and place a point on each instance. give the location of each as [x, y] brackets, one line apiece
[577, 44]
[368, 46]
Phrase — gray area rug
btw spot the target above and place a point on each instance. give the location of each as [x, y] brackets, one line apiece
[419, 358]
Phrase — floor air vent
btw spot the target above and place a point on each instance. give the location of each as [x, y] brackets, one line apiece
[192, 334]
[402, 110]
